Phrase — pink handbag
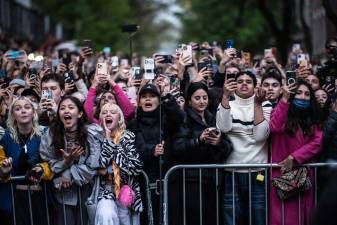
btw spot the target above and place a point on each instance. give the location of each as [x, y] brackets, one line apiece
[126, 196]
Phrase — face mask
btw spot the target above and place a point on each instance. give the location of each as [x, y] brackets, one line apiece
[301, 103]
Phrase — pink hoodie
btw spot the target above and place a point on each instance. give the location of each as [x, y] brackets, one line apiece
[122, 100]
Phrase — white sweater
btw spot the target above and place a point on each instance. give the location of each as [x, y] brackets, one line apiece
[249, 140]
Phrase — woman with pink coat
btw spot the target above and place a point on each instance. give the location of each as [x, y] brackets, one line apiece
[115, 95]
[296, 139]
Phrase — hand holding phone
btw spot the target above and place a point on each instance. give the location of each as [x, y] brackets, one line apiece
[213, 131]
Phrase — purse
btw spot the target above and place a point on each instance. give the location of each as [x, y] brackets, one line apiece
[291, 183]
[91, 203]
[126, 196]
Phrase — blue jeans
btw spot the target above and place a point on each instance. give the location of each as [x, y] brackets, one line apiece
[241, 199]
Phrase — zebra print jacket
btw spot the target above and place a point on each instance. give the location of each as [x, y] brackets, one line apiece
[128, 160]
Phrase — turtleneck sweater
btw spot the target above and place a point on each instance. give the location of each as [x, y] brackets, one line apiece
[249, 140]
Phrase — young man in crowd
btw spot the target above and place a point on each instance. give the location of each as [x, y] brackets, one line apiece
[52, 87]
[271, 83]
[242, 116]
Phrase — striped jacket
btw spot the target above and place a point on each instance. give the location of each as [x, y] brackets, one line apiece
[128, 160]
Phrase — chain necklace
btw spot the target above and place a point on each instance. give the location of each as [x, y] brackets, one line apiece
[23, 141]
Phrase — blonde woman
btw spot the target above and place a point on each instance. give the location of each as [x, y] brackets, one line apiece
[119, 195]
[20, 154]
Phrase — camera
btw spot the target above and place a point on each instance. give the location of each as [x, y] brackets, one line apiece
[130, 28]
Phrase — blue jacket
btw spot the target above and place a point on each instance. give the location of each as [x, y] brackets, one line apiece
[13, 149]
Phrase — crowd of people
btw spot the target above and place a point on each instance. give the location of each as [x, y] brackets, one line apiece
[87, 124]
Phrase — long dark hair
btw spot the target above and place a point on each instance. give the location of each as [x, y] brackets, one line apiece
[304, 119]
[57, 130]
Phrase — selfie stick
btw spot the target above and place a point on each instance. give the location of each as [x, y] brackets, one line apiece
[161, 162]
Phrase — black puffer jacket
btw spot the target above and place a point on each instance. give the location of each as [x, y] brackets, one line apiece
[146, 127]
[330, 138]
[188, 150]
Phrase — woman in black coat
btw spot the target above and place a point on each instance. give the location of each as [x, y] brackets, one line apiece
[198, 142]
[157, 119]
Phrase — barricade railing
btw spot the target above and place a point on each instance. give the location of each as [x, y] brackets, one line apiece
[13, 182]
[233, 169]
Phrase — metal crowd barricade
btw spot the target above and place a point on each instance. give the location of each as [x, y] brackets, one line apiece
[232, 168]
[15, 179]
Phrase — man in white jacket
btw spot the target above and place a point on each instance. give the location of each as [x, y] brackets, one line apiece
[244, 116]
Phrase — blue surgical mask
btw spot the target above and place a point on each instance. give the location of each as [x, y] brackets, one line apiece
[301, 103]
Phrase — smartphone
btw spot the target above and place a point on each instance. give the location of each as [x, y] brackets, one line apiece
[229, 43]
[207, 64]
[268, 52]
[136, 73]
[32, 74]
[213, 130]
[186, 50]
[296, 47]
[167, 59]
[291, 77]
[54, 64]
[114, 61]
[149, 69]
[68, 77]
[14, 55]
[47, 94]
[230, 76]
[102, 68]
[65, 57]
[300, 58]
[106, 50]
[205, 51]
[330, 80]
[86, 43]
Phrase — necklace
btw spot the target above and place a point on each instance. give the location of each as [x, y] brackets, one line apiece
[24, 142]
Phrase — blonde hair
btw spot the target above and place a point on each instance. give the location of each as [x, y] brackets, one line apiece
[117, 134]
[12, 124]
